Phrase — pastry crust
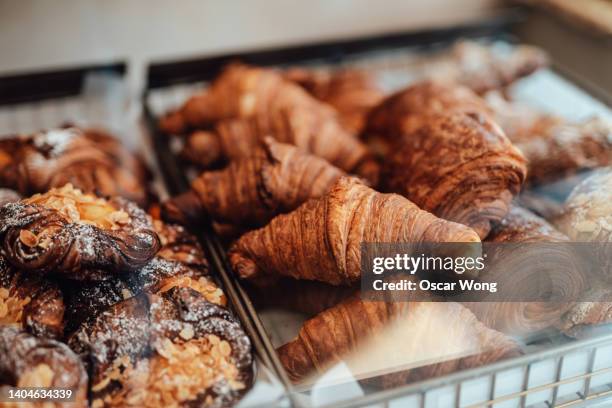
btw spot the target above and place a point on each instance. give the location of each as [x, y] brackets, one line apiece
[460, 167]
[178, 332]
[28, 361]
[67, 232]
[321, 240]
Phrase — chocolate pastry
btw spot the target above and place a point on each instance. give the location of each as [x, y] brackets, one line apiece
[179, 245]
[30, 303]
[8, 196]
[69, 233]
[135, 345]
[91, 160]
[28, 361]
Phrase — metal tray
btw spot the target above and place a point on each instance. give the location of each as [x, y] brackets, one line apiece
[558, 373]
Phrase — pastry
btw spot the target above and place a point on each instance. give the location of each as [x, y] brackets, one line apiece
[177, 335]
[321, 240]
[249, 192]
[352, 92]
[411, 331]
[91, 160]
[28, 361]
[69, 233]
[460, 167]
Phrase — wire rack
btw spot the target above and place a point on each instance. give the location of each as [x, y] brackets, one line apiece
[556, 372]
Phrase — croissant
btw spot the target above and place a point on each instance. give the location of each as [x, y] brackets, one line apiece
[530, 257]
[199, 344]
[179, 245]
[28, 361]
[560, 148]
[460, 167]
[67, 232]
[242, 91]
[431, 339]
[304, 128]
[90, 160]
[30, 303]
[352, 92]
[486, 67]
[407, 110]
[321, 240]
[275, 179]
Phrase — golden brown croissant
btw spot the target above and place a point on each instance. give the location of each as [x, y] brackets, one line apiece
[304, 128]
[242, 91]
[460, 167]
[560, 148]
[529, 257]
[352, 92]
[407, 110]
[67, 232]
[485, 67]
[249, 192]
[91, 160]
[28, 361]
[432, 339]
[321, 240]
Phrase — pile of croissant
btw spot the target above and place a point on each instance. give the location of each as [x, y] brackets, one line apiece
[302, 166]
[99, 296]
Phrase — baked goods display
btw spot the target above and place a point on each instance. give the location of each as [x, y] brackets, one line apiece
[291, 180]
[73, 261]
[297, 169]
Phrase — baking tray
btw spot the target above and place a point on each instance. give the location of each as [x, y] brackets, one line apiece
[555, 372]
[97, 96]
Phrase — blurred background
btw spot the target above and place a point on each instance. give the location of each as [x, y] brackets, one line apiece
[39, 35]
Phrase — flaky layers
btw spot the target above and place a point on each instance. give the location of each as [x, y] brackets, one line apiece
[460, 167]
[321, 240]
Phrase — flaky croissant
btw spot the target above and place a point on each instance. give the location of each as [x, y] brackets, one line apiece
[321, 240]
[407, 110]
[304, 128]
[460, 167]
[242, 91]
[275, 179]
[352, 92]
[91, 160]
[67, 232]
[485, 67]
[432, 339]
